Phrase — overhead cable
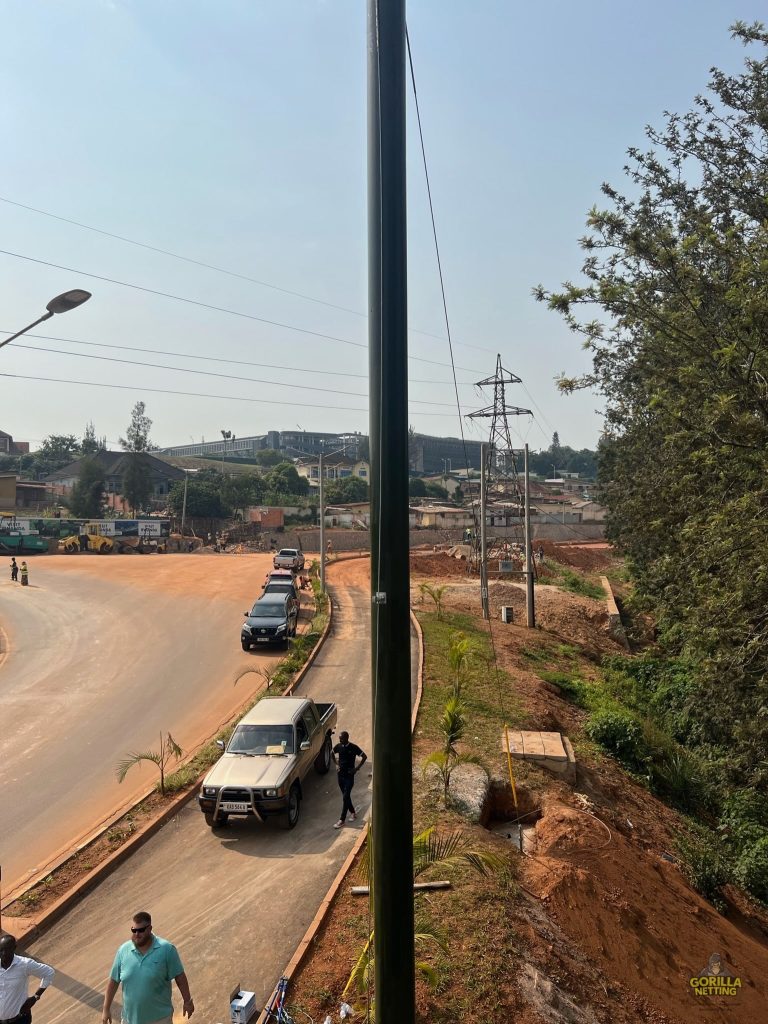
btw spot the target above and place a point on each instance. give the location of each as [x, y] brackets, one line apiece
[208, 305]
[222, 359]
[207, 373]
[196, 394]
[218, 270]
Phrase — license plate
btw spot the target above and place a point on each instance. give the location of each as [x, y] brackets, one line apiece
[263, 639]
[236, 808]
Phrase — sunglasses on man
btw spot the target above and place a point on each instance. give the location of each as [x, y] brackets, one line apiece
[137, 931]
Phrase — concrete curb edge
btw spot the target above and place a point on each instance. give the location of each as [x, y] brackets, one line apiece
[318, 920]
[60, 906]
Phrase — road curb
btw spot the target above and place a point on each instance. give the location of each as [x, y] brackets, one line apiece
[60, 906]
[319, 919]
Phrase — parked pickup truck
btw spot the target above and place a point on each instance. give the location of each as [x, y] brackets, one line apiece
[289, 558]
[267, 759]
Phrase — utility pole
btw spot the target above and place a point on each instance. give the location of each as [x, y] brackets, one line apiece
[483, 539]
[322, 526]
[184, 502]
[392, 822]
[530, 609]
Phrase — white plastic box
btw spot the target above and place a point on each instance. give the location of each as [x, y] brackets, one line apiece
[242, 1007]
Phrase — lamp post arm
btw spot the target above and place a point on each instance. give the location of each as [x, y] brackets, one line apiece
[45, 316]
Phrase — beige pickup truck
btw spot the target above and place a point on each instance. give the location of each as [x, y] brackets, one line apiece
[271, 751]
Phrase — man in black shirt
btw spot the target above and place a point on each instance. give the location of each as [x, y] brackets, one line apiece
[345, 755]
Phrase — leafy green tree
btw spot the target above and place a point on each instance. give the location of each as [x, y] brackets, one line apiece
[437, 491]
[673, 308]
[137, 435]
[240, 491]
[87, 498]
[137, 478]
[90, 443]
[284, 479]
[203, 498]
[417, 488]
[269, 457]
[350, 489]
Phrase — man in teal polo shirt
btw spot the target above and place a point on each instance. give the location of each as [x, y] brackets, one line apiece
[145, 967]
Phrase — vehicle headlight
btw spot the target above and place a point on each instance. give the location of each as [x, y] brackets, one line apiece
[246, 628]
[210, 790]
[281, 627]
[270, 792]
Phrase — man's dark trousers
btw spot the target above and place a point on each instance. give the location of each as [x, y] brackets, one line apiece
[22, 1018]
[346, 782]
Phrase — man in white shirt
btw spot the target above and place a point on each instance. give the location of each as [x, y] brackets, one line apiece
[15, 1003]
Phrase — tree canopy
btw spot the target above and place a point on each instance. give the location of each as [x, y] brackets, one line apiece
[87, 498]
[674, 309]
[284, 479]
[350, 489]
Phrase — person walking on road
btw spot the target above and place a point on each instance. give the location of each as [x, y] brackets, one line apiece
[145, 966]
[24, 583]
[345, 755]
[15, 1004]
[14, 576]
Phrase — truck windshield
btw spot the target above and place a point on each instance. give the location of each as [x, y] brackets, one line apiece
[256, 739]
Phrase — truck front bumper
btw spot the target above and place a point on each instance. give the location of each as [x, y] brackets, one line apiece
[259, 808]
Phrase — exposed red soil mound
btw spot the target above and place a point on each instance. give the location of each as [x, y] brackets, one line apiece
[635, 915]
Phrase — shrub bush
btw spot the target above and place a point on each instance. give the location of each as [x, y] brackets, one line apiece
[573, 687]
[620, 733]
[751, 869]
[705, 865]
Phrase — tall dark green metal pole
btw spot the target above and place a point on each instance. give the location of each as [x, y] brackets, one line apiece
[392, 832]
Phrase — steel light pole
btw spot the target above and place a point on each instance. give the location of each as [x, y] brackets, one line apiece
[60, 304]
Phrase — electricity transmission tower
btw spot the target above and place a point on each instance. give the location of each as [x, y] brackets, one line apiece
[498, 470]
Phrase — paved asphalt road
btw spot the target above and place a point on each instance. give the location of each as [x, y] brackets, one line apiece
[236, 902]
[103, 653]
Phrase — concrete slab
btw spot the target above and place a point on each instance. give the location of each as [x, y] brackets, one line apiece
[548, 750]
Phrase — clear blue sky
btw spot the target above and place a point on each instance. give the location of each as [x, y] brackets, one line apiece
[234, 133]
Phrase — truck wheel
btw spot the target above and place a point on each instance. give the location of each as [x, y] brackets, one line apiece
[323, 759]
[213, 822]
[291, 816]
[245, 645]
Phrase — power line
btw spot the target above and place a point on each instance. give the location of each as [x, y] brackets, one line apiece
[195, 394]
[218, 270]
[207, 305]
[207, 373]
[221, 359]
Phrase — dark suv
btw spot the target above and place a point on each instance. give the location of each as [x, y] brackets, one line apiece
[272, 620]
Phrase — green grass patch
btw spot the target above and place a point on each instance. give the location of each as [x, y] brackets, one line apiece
[572, 686]
[491, 702]
[536, 654]
[574, 582]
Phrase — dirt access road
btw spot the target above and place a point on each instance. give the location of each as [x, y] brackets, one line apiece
[235, 901]
[103, 653]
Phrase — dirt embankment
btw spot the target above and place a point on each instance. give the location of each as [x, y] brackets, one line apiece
[632, 914]
[603, 928]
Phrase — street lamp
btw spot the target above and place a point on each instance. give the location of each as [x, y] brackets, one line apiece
[227, 435]
[321, 468]
[60, 304]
